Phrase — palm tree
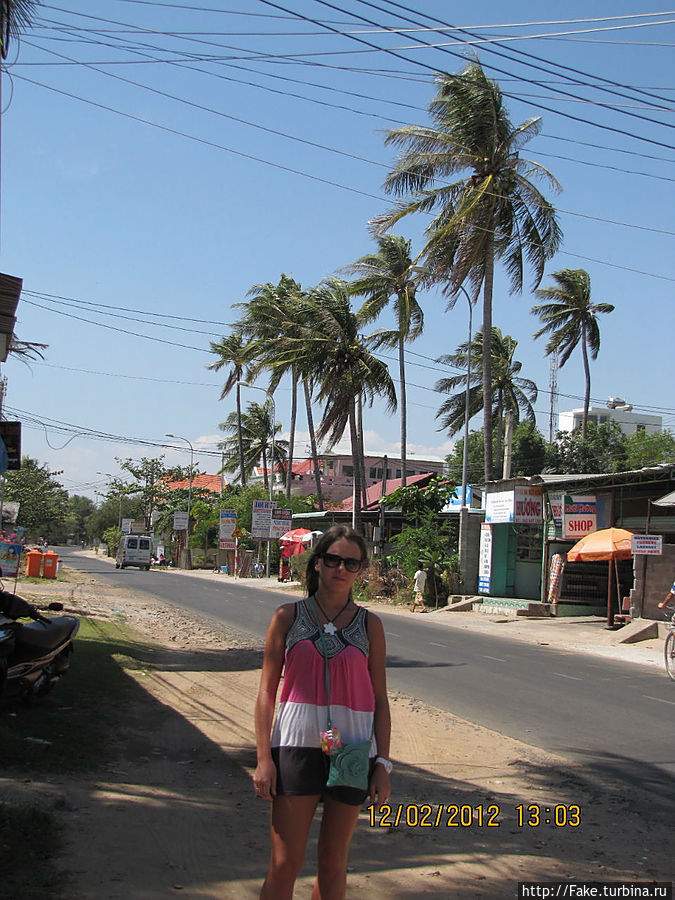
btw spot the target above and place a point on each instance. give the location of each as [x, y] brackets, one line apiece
[346, 372]
[570, 318]
[232, 351]
[15, 16]
[510, 395]
[492, 212]
[381, 276]
[272, 318]
[256, 433]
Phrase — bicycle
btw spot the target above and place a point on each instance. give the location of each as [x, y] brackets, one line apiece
[669, 649]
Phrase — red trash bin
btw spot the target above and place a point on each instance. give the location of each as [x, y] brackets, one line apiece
[33, 563]
[49, 564]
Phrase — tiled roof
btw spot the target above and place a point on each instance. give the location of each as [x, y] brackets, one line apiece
[374, 492]
[206, 482]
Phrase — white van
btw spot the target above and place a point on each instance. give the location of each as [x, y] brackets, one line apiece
[134, 550]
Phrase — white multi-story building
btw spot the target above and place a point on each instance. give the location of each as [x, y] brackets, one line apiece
[622, 413]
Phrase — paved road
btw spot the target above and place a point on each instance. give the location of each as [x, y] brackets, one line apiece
[617, 715]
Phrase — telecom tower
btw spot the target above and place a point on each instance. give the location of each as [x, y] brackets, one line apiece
[553, 390]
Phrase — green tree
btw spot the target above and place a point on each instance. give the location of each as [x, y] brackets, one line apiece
[79, 511]
[571, 319]
[345, 369]
[602, 450]
[231, 350]
[530, 454]
[494, 211]
[380, 277]
[256, 435]
[273, 318]
[43, 501]
[511, 394]
[150, 484]
[644, 449]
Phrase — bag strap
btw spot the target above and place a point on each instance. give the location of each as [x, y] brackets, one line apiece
[324, 654]
[325, 661]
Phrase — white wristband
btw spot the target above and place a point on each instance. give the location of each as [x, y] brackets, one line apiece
[388, 767]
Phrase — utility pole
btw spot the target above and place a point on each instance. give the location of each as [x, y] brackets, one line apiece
[553, 389]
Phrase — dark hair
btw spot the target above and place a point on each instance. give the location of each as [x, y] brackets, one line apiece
[329, 537]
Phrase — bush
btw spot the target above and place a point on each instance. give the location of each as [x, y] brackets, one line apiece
[111, 537]
[299, 566]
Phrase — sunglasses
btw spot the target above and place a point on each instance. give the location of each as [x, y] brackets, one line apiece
[332, 561]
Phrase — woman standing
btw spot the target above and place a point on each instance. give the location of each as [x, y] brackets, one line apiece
[292, 766]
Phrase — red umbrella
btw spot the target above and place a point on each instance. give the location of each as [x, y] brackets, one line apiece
[610, 544]
[296, 540]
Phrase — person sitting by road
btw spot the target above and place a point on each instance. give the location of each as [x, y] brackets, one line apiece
[418, 585]
[669, 598]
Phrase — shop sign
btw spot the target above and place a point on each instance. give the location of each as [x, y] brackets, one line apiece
[646, 544]
[180, 521]
[556, 501]
[261, 521]
[282, 521]
[522, 506]
[579, 515]
[228, 523]
[126, 526]
[485, 559]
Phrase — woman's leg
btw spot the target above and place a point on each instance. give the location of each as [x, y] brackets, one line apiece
[337, 828]
[291, 819]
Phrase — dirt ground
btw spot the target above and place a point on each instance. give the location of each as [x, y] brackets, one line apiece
[175, 813]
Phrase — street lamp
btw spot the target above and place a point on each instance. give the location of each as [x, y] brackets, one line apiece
[177, 437]
[274, 425]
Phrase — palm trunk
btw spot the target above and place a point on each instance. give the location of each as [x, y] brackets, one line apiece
[354, 435]
[508, 441]
[587, 373]
[500, 428]
[242, 467]
[362, 452]
[487, 357]
[401, 372]
[264, 462]
[291, 437]
[312, 441]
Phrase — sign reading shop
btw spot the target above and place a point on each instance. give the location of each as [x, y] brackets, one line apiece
[579, 515]
[523, 505]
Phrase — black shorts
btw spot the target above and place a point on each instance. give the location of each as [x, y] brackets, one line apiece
[303, 772]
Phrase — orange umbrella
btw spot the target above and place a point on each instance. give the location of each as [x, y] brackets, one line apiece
[296, 540]
[608, 543]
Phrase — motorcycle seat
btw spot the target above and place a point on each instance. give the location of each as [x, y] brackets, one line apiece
[45, 636]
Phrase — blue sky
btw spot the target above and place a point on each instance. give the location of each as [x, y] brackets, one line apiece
[119, 198]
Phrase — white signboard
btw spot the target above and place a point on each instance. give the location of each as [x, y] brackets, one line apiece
[126, 526]
[180, 521]
[455, 503]
[282, 521]
[228, 522]
[485, 559]
[556, 501]
[646, 544]
[262, 519]
[523, 505]
[579, 515]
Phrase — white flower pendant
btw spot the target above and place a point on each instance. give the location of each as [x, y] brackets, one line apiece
[329, 628]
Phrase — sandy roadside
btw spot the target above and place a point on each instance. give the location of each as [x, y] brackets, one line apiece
[175, 812]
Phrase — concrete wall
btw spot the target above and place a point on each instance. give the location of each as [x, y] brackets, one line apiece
[654, 576]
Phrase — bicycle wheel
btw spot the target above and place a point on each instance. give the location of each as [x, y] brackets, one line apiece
[670, 655]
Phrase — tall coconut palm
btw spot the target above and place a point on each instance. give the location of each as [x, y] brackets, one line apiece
[492, 212]
[272, 317]
[510, 395]
[381, 277]
[15, 17]
[329, 344]
[233, 351]
[256, 431]
[570, 318]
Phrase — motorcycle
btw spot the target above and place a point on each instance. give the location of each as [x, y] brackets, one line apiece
[33, 655]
